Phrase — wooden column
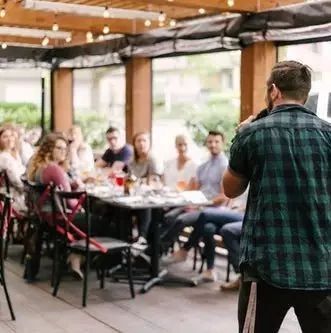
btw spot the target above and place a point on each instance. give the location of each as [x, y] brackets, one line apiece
[61, 99]
[138, 111]
[257, 61]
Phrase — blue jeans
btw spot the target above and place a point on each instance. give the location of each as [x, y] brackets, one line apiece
[210, 221]
[231, 233]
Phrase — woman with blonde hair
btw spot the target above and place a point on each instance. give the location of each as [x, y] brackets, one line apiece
[11, 163]
[80, 153]
[180, 172]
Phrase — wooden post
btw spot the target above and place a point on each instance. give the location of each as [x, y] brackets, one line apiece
[61, 99]
[138, 111]
[257, 61]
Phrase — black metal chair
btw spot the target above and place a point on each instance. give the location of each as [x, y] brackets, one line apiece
[71, 239]
[5, 216]
[40, 227]
[15, 215]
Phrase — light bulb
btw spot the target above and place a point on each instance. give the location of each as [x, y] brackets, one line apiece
[55, 27]
[106, 13]
[148, 23]
[68, 39]
[202, 11]
[2, 12]
[45, 41]
[106, 30]
[172, 23]
[230, 3]
[89, 37]
[3, 46]
[162, 17]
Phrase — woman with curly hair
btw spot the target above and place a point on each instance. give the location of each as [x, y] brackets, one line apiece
[50, 165]
[12, 164]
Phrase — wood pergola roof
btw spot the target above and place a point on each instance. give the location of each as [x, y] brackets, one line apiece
[78, 26]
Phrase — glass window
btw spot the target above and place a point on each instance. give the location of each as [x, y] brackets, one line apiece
[317, 56]
[21, 97]
[99, 101]
[192, 95]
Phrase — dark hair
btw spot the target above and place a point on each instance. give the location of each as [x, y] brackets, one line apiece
[112, 129]
[217, 133]
[292, 78]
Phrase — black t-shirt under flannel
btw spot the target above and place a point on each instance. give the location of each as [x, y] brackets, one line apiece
[286, 235]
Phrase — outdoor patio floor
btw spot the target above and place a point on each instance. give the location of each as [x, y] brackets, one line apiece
[202, 309]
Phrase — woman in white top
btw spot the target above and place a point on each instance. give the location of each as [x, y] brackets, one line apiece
[10, 162]
[180, 173]
[80, 153]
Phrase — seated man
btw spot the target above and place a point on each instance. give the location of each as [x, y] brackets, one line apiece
[209, 223]
[209, 179]
[116, 154]
[231, 233]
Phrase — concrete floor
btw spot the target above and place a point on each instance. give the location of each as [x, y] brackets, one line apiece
[202, 309]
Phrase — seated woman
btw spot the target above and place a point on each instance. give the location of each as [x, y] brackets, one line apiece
[180, 173]
[10, 162]
[80, 153]
[143, 166]
[50, 165]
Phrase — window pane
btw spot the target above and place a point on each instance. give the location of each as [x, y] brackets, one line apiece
[317, 56]
[99, 101]
[20, 99]
[192, 95]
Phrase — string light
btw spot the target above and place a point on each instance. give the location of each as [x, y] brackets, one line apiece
[148, 23]
[162, 17]
[3, 12]
[45, 41]
[202, 11]
[68, 39]
[230, 3]
[55, 27]
[89, 37]
[172, 23]
[3, 46]
[106, 30]
[106, 13]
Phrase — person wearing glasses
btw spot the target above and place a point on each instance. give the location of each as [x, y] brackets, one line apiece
[116, 156]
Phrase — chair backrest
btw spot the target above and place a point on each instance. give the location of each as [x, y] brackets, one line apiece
[5, 215]
[69, 230]
[38, 198]
[4, 181]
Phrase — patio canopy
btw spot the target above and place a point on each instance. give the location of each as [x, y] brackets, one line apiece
[88, 33]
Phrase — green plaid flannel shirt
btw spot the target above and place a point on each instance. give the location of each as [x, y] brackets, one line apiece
[286, 235]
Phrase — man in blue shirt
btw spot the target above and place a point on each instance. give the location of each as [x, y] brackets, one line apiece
[116, 154]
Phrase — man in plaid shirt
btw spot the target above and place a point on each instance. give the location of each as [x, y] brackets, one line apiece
[286, 237]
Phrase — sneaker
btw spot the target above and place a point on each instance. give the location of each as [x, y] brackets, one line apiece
[177, 257]
[231, 286]
[140, 245]
[209, 276]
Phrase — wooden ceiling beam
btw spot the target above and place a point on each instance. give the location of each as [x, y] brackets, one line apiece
[25, 40]
[19, 17]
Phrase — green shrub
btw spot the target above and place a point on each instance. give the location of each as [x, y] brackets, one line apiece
[26, 114]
